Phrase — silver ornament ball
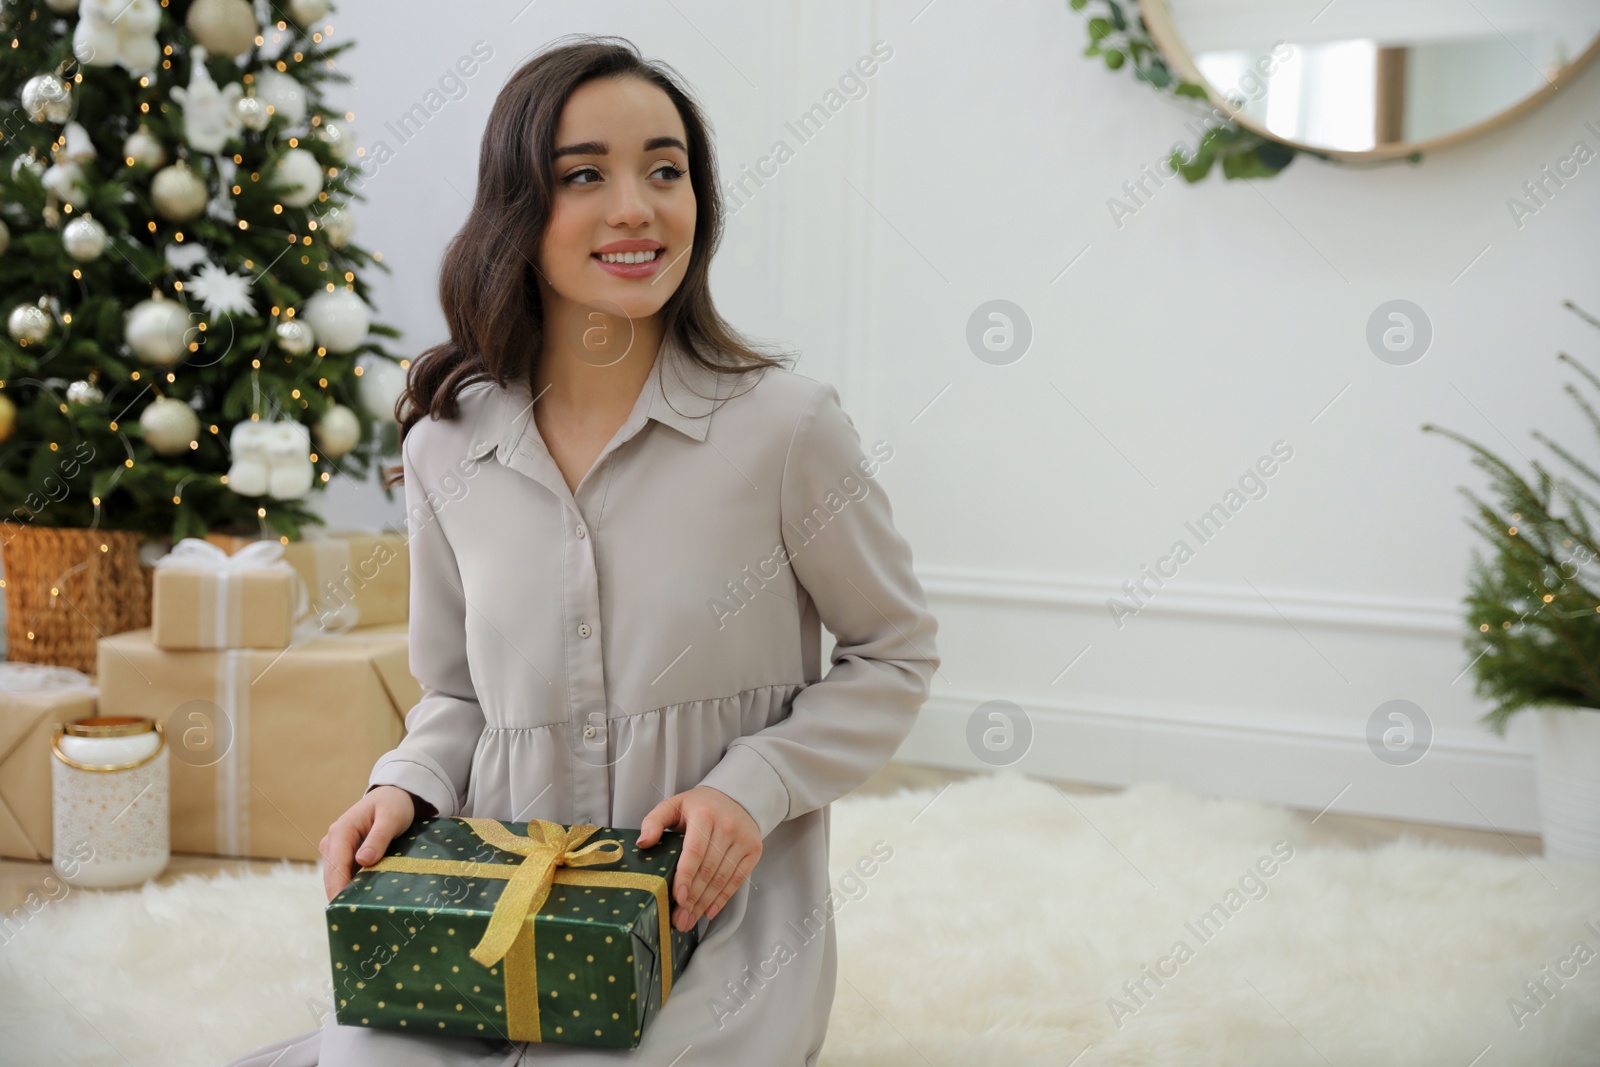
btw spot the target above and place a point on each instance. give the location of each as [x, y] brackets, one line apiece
[223, 27]
[295, 337]
[84, 239]
[179, 193]
[169, 425]
[305, 12]
[142, 146]
[157, 331]
[338, 431]
[29, 324]
[46, 98]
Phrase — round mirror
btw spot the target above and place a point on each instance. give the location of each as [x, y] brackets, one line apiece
[1374, 79]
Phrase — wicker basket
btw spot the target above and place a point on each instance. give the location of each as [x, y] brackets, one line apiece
[67, 588]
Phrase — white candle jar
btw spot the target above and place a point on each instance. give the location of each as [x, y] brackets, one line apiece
[109, 789]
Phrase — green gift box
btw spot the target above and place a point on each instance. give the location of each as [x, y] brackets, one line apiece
[529, 931]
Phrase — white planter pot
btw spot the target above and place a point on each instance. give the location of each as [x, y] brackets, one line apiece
[1568, 773]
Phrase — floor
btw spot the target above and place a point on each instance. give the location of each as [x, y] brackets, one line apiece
[18, 880]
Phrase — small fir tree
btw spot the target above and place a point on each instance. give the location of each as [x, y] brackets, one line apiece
[1533, 604]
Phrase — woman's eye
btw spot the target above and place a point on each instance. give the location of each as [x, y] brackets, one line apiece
[673, 173]
[572, 179]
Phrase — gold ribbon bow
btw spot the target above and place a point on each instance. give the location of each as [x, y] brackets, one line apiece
[550, 853]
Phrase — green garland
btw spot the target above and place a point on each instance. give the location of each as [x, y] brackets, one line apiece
[1533, 604]
[1242, 152]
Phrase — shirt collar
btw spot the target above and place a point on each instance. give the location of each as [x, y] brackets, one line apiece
[679, 392]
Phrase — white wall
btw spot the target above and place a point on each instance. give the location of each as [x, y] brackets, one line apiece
[1172, 353]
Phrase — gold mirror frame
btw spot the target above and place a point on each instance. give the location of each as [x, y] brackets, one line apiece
[1158, 20]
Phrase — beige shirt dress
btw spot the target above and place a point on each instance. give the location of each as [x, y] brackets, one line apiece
[585, 656]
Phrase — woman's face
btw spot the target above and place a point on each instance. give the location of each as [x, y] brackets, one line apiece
[621, 186]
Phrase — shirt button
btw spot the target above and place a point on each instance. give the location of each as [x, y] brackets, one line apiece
[583, 629]
[589, 731]
[581, 531]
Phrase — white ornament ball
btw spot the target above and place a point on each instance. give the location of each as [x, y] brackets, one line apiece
[84, 239]
[170, 426]
[224, 27]
[307, 12]
[382, 382]
[298, 178]
[157, 331]
[142, 146]
[338, 319]
[338, 431]
[46, 98]
[283, 94]
[252, 112]
[179, 193]
[295, 337]
[29, 324]
[82, 392]
[337, 225]
[5, 237]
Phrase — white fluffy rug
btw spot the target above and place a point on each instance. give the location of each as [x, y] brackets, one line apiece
[1012, 924]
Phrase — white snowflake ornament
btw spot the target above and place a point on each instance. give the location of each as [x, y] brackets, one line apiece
[222, 293]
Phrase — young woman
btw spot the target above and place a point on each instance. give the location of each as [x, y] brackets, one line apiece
[626, 527]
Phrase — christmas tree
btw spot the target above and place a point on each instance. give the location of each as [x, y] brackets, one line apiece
[1533, 605]
[188, 347]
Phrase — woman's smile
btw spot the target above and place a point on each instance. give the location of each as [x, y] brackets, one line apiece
[631, 259]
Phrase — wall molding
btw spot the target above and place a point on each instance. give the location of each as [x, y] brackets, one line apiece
[1016, 589]
[1312, 765]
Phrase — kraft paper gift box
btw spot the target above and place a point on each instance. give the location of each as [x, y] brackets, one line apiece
[206, 598]
[355, 578]
[268, 748]
[527, 931]
[33, 698]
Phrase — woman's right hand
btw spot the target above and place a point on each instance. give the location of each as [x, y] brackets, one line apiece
[363, 833]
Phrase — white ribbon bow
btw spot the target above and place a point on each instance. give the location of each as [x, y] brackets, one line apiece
[196, 553]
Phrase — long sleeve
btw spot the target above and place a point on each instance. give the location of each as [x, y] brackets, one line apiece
[434, 758]
[840, 539]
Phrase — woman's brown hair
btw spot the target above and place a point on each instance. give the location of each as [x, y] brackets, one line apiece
[487, 283]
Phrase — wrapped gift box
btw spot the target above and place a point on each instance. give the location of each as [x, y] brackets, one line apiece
[268, 748]
[522, 931]
[355, 578]
[33, 698]
[201, 603]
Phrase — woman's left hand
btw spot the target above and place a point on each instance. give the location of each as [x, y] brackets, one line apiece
[721, 846]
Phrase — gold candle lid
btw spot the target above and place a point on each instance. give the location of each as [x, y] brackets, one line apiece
[108, 726]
